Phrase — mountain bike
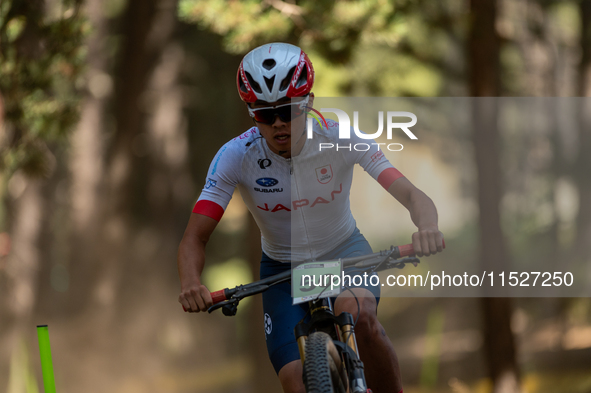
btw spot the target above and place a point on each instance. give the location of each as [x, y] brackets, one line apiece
[327, 344]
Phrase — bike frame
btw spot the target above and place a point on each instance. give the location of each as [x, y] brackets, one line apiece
[342, 327]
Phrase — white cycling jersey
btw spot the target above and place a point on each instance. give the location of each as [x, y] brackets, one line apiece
[301, 204]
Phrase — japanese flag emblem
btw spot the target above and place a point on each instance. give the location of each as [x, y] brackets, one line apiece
[324, 174]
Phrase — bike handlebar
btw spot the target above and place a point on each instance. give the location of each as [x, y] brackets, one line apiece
[219, 296]
[406, 251]
[394, 255]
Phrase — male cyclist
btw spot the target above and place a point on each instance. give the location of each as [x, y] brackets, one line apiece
[299, 197]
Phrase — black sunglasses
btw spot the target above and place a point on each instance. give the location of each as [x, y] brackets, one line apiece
[286, 112]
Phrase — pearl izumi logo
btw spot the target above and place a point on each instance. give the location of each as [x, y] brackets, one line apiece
[393, 123]
[264, 162]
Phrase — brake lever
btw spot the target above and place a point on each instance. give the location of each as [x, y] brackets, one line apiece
[401, 263]
[230, 309]
[231, 301]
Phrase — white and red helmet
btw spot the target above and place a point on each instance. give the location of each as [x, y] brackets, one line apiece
[274, 71]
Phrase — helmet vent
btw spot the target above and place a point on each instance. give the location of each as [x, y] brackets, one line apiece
[285, 82]
[255, 86]
[242, 86]
[269, 64]
[303, 77]
[269, 82]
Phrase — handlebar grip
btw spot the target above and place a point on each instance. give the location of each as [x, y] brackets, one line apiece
[219, 296]
[406, 251]
[216, 297]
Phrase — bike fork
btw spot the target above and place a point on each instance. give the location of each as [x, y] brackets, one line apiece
[357, 383]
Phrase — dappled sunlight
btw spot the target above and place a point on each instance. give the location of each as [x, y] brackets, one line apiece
[577, 337]
[228, 274]
[110, 115]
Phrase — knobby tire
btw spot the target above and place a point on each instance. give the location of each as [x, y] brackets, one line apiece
[323, 372]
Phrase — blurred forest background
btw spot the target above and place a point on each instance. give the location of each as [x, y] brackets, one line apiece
[111, 111]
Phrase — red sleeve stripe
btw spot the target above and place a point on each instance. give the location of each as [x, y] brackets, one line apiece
[209, 209]
[387, 177]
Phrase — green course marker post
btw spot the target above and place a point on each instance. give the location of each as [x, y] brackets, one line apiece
[46, 362]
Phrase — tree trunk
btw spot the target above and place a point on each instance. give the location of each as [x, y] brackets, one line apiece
[146, 30]
[87, 163]
[148, 26]
[22, 271]
[583, 162]
[22, 214]
[484, 68]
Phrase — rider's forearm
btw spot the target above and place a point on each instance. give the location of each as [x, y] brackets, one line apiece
[191, 260]
[422, 210]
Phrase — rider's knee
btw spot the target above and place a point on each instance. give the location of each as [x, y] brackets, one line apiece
[364, 313]
[290, 377]
[367, 323]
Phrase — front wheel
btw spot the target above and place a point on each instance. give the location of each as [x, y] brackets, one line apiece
[323, 371]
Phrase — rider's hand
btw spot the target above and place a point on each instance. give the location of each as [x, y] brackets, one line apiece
[427, 241]
[195, 297]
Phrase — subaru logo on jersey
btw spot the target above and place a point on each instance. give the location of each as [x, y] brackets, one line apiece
[324, 174]
[267, 181]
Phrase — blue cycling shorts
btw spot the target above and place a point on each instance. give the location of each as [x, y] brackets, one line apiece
[281, 316]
